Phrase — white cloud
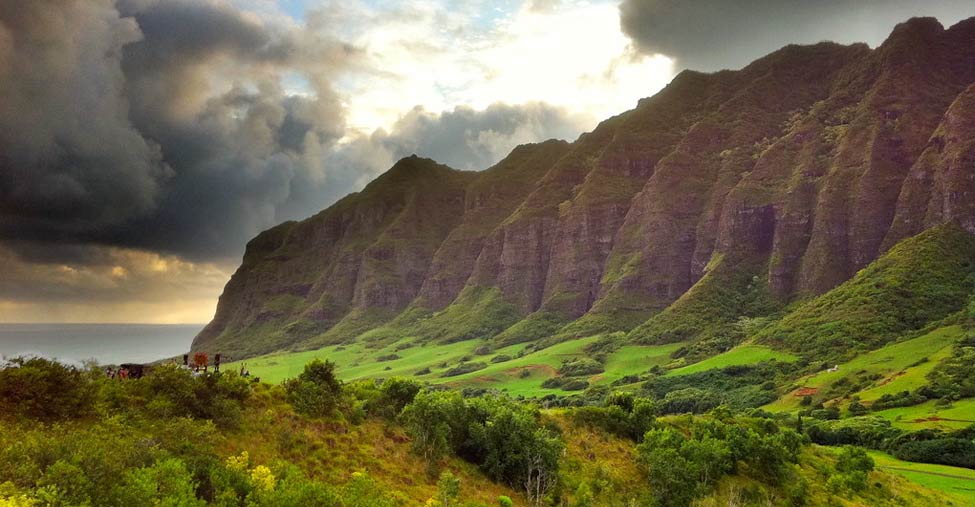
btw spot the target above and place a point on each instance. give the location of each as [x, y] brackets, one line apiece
[438, 56]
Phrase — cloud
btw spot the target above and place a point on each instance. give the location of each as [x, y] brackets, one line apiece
[106, 284]
[468, 139]
[716, 34]
[70, 160]
[444, 55]
[163, 125]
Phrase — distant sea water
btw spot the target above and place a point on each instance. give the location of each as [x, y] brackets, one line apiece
[105, 343]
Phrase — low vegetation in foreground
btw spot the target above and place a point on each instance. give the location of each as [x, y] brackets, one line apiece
[72, 437]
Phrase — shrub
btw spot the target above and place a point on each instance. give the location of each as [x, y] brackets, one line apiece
[869, 431]
[394, 394]
[316, 390]
[43, 389]
[463, 368]
[580, 366]
[957, 452]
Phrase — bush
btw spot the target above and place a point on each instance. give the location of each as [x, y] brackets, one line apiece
[503, 438]
[683, 465]
[853, 464]
[169, 391]
[688, 400]
[957, 452]
[869, 431]
[500, 358]
[622, 416]
[316, 390]
[463, 368]
[47, 390]
[580, 367]
[394, 394]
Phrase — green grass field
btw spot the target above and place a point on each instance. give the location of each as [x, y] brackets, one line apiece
[960, 414]
[957, 482]
[897, 364]
[518, 376]
[740, 355]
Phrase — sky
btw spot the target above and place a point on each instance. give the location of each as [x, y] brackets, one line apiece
[144, 142]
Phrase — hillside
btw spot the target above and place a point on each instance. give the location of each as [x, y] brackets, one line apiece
[77, 438]
[724, 197]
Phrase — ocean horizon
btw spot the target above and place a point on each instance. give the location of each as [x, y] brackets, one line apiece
[104, 343]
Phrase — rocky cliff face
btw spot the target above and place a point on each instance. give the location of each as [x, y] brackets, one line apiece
[798, 170]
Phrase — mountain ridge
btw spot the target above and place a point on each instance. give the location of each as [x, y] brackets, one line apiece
[804, 166]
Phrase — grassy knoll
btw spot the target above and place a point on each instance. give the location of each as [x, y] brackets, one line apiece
[743, 354]
[954, 481]
[893, 368]
[928, 415]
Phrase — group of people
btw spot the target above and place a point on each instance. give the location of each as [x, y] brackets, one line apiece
[117, 373]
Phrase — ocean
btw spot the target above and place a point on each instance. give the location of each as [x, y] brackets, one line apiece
[105, 343]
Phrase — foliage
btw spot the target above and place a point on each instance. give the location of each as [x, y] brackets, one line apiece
[316, 390]
[683, 467]
[951, 451]
[171, 391]
[448, 489]
[464, 367]
[501, 437]
[920, 280]
[867, 431]
[852, 467]
[47, 390]
[580, 366]
[739, 386]
[622, 415]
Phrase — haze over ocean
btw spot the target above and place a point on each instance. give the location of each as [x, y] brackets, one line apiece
[106, 343]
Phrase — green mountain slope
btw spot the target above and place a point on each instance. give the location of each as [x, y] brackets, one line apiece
[922, 279]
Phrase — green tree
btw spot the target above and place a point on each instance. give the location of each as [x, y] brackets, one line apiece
[166, 483]
[43, 389]
[315, 392]
[448, 489]
[437, 423]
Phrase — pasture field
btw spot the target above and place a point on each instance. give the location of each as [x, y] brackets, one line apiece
[522, 375]
[740, 355]
[928, 415]
[954, 481]
[901, 366]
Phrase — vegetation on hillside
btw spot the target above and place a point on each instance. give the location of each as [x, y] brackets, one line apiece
[182, 439]
[921, 280]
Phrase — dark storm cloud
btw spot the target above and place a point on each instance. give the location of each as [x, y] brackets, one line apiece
[187, 126]
[159, 124]
[714, 34]
[69, 157]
